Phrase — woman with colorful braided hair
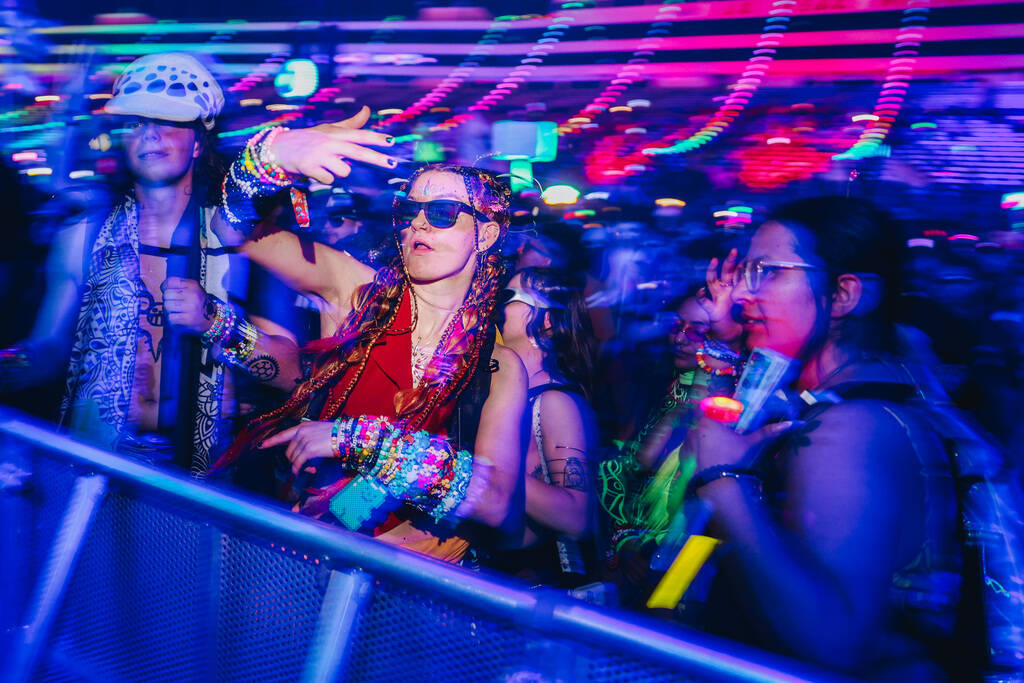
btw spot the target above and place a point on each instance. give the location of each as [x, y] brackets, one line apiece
[408, 421]
[545, 322]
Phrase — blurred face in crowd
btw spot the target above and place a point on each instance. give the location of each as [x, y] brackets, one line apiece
[688, 333]
[533, 254]
[516, 315]
[958, 287]
[159, 152]
[432, 253]
[780, 314]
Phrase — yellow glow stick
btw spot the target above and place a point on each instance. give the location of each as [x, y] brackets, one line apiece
[694, 553]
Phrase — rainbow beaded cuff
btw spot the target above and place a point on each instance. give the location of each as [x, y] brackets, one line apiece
[396, 466]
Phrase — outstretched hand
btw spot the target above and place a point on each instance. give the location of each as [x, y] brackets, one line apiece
[716, 297]
[324, 152]
[306, 441]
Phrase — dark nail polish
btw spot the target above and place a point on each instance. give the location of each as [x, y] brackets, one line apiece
[389, 139]
[392, 163]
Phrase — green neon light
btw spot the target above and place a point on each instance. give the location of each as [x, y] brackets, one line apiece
[35, 126]
[742, 209]
[408, 138]
[924, 124]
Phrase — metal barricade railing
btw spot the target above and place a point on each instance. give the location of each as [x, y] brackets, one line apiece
[113, 570]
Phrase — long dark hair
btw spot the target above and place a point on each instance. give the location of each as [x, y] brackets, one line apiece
[565, 334]
[850, 235]
[210, 168]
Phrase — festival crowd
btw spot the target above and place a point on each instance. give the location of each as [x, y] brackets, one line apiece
[469, 376]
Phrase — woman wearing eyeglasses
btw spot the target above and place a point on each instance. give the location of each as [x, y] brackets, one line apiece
[408, 422]
[842, 535]
[545, 322]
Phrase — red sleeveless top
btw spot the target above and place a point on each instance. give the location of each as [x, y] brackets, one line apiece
[388, 371]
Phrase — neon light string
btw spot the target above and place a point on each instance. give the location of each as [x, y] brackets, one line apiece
[607, 162]
[261, 72]
[542, 47]
[743, 89]
[631, 72]
[458, 75]
[897, 80]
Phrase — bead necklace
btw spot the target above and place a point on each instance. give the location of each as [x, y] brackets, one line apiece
[422, 354]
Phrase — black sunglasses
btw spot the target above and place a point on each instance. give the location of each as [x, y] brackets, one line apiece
[440, 213]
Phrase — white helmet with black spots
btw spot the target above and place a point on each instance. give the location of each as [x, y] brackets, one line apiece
[169, 86]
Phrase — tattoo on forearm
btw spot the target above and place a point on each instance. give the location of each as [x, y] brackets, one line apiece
[574, 474]
[264, 368]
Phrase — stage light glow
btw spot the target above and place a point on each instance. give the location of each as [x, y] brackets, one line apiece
[25, 156]
[38, 171]
[557, 195]
[669, 201]
[1012, 201]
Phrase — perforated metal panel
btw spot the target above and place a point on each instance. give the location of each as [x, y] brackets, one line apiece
[407, 636]
[135, 606]
[608, 668]
[269, 604]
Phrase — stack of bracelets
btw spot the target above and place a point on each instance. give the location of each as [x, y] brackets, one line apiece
[718, 351]
[235, 335]
[417, 468]
[253, 174]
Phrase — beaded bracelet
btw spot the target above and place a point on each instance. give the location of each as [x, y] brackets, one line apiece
[417, 467]
[716, 472]
[223, 322]
[253, 174]
[727, 371]
[243, 338]
[335, 450]
[266, 167]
